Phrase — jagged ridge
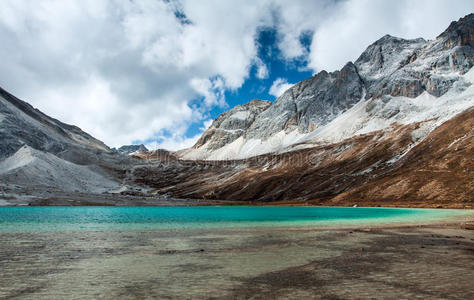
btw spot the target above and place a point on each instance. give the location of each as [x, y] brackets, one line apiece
[389, 68]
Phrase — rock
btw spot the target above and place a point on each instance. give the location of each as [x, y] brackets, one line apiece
[131, 149]
[310, 104]
[231, 125]
[468, 226]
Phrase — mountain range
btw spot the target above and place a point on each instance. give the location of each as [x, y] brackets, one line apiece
[393, 128]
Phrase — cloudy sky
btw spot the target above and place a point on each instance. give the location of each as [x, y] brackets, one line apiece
[158, 71]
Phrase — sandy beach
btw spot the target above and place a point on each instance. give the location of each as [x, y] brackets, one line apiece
[431, 261]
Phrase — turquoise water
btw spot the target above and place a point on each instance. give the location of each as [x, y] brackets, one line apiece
[123, 218]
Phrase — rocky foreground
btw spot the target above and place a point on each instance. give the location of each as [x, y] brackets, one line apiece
[430, 262]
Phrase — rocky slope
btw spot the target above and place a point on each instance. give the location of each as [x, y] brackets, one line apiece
[40, 152]
[22, 124]
[42, 169]
[228, 127]
[388, 69]
[386, 168]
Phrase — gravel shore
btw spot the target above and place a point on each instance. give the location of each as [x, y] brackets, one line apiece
[434, 261]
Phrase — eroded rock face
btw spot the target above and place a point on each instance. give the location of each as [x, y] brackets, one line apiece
[310, 103]
[129, 149]
[232, 124]
[384, 58]
[460, 33]
[399, 67]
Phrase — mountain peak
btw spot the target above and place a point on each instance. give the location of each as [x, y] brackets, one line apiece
[129, 149]
[390, 39]
[230, 125]
[385, 56]
[460, 33]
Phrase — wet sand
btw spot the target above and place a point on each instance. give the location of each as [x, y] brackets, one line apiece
[434, 261]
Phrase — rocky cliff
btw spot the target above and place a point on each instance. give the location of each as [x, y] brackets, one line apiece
[132, 149]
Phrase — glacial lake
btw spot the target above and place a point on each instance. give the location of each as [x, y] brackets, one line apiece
[14, 219]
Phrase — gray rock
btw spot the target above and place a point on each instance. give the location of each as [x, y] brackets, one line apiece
[399, 67]
[21, 124]
[230, 125]
[310, 103]
[129, 149]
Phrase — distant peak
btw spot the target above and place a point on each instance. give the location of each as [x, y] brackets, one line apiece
[128, 149]
[461, 32]
[391, 39]
[466, 21]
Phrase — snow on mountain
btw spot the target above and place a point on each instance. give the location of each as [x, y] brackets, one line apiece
[227, 130]
[132, 149]
[394, 81]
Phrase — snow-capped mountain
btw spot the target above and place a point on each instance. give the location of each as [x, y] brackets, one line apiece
[132, 149]
[393, 80]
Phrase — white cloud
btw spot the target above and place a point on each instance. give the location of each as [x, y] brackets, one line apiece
[296, 18]
[262, 70]
[279, 86]
[130, 69]
[211, 90]
[355, 24]
[206, 125]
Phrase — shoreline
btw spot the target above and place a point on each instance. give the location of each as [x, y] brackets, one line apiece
[81, 199]
[20, 196]
[422, 261]
[460, 219]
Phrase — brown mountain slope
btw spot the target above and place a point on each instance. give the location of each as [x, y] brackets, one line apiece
[438, 171]
[373, 169]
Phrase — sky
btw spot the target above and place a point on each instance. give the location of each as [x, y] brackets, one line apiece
[159, 71]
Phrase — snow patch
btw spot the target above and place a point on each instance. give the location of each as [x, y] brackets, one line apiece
[242, 148]
[460, 139]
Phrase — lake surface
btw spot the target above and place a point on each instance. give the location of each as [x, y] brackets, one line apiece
[140, 218]
[232, 253]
